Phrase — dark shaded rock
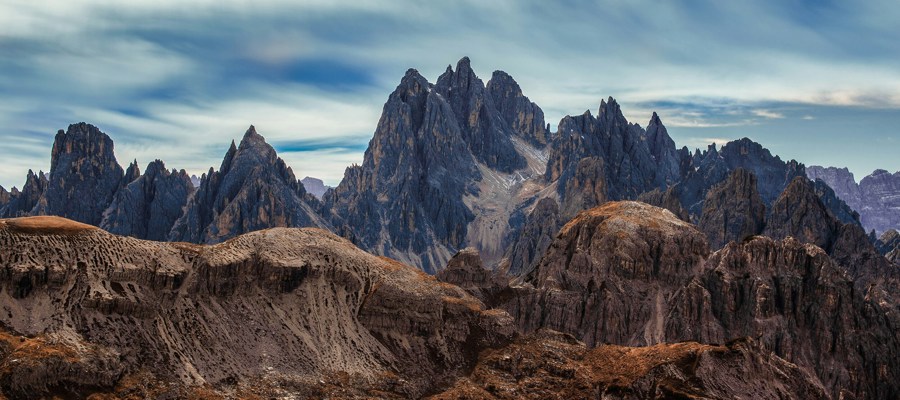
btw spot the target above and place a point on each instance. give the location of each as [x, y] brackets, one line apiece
[149, 205]
[839, 209]
[889, 244]
[524, 117]
[712, 166]
[633, 161]
[799, 213]
[405, 200]
[481, 124]
[607, 274]
[841, 180]
[131, 174]
[4, 197]
[20, 203]
[667, 199]
[314, 186]
[800, 304]
[84, 175]
[634, 275]
[252, 190]
[467, 270]
[551, 365]
[733, 210]
[535, 237]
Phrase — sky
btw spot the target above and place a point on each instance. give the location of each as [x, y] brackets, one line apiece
[816, 81]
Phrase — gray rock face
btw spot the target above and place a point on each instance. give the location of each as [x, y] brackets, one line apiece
[667, 199]
[632, 164]
[148, 207]
[889, 244]
[480, 122]
[431, 149]
[466, 270]
[252, 190]
[4, 196]
[20, 203]
[535, 237]
[881, 193]
[706, 169]
[84, 175]
[733, 210]
[524, 117]
[876, 198]
[838, 207]
[841, 180]
[314, 186]
[800, 213]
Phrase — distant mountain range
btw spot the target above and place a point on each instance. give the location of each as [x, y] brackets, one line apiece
[454, 164]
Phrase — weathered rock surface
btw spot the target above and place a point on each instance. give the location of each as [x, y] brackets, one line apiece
[84, 175]
[800, 213]
[608, 273]
[709, 168]
[889, 245]
[314, 186]
[288, 306]
[631, 274]
[839, 209]
[481, 124]
[549, 365]
[20, 203]
[534, 238]
[667, 199]
[733, 210]
[524, 117]
[467, 270]
[440, 153]
[252, 190]
[633, 160]
[148, 206]
[876, 198]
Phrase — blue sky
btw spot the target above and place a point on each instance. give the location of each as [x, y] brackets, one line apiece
[818, 81]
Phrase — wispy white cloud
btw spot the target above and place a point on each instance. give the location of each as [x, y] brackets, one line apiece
[768, 114]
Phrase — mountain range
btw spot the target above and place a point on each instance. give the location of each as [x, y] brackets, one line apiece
[474, 253]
